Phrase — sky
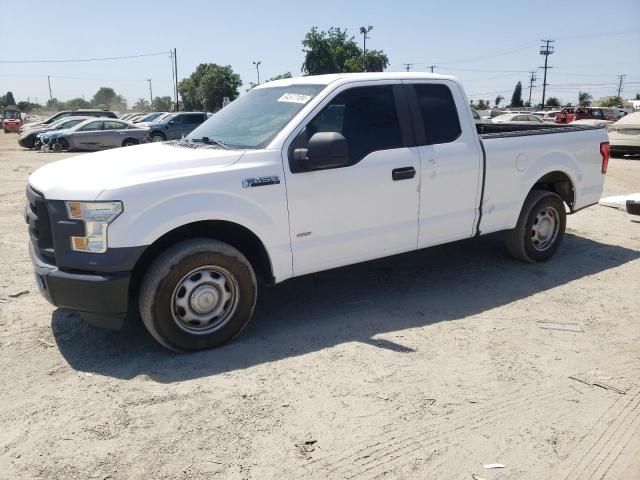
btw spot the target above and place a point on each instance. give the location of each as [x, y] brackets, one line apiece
[489, 45]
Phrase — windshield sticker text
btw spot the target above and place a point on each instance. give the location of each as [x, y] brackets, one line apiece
[294, 98]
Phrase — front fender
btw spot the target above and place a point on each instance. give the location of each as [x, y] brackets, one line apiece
[143, 221]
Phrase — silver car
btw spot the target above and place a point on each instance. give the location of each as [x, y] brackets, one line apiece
[97, 134]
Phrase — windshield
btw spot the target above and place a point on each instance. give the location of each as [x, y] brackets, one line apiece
[255, 118]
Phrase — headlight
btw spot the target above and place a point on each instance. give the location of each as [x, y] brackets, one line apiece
[96, 216]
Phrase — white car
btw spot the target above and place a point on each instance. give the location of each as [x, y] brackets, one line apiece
[548, 116]
[525, 118]
[296, 176]
[624, 135]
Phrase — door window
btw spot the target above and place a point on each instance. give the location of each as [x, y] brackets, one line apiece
[439, 113]
[111, 125]
[365, 116]
[93, 126]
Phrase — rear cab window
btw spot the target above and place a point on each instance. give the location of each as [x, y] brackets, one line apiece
[434, 112]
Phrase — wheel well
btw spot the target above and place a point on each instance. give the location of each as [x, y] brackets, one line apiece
[560, 183]
[135, 140]
[158, 132]
[236, 235]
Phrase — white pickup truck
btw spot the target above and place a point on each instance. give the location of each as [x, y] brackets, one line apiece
[296, 176]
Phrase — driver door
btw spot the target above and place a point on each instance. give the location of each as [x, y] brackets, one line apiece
[89, 136]
[368, 207]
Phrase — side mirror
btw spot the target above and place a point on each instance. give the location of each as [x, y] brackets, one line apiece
[324, 150]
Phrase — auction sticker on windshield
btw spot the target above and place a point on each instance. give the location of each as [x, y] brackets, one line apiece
[294, 98]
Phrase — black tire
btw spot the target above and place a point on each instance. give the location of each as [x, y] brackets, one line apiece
[540, 227]
[57, 147]
[130, 142]
[163, 285]
[158, 137]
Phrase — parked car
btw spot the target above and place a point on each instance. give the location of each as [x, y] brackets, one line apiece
[571, 114]
[547, 115]
[95, 134]
[477, 118]
[624, 135]
[12, 119]
[296, 176]
[176, 125]
[27, 139]
[70, 113]
[518, 118]
[149, 117]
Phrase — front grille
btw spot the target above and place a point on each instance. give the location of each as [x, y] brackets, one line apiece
[37, 217]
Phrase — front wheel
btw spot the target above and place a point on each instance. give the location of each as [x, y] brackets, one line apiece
[540, 227]
[157, 137]
[198, 294]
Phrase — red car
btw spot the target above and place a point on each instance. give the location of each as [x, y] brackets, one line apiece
[571, 114]
[12, 120]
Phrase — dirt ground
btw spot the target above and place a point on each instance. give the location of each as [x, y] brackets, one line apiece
[426, 365]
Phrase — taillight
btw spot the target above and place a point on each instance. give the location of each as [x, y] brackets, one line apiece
[604, 151]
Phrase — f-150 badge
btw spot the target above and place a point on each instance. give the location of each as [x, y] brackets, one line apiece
[260, 181]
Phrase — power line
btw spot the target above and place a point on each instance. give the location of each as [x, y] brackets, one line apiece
[77, 60]
[408, 66]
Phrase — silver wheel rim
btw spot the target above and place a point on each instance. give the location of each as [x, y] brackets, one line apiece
[545, 228]
[205, 300]
[157, 138]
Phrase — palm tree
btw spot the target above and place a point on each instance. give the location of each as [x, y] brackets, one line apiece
[498, 99]
[584, 99]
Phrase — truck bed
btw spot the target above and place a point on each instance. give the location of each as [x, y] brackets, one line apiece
[496, 130]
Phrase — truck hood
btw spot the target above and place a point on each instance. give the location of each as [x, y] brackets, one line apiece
[84, 177]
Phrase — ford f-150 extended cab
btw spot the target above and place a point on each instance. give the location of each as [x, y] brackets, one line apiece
[296, 176]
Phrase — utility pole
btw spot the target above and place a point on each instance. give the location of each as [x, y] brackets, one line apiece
[257, 64]
[621, 78]
[49, 82]
[546, 50]
[175, 69]
[531, 80]
[431, 67]
[364, 31]
[408, 66]
[150, 91]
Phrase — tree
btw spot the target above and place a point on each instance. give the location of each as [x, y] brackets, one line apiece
[162, 104]
[376, 61]
[104, 97]
[205, 88]
[277, 77]
[553, 102]
[54, 104]
[334, 51]
[77, 103]
[480, 105]
[611, 102]
[28, 107]
[637, 96]
[584, 99]
[141, 105]
[516, 98]
[8, 99]
[499, 99]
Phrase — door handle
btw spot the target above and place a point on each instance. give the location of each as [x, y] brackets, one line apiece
[403, 173]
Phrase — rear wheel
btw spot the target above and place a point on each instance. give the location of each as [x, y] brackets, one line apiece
[540, 227]
[198, 294]
[129, 142]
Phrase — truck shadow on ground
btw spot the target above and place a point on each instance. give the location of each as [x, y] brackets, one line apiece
[354, 303]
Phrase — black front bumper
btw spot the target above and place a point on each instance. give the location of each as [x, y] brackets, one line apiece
[105, 294]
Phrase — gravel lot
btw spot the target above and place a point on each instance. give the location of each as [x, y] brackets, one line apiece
[425, 365]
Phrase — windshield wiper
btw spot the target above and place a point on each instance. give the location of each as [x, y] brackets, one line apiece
[210, 141]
